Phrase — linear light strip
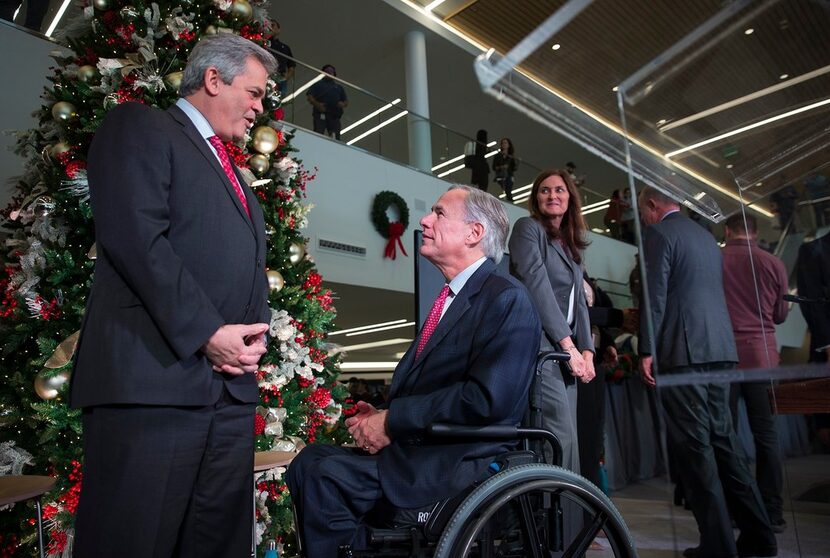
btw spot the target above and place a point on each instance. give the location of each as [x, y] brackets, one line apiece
[446, 163]
[368, 116]
[377, 329]
[452, 170]
[454, 159]
[378, 365]
[378, 127]
[595, 209]
[57, 18]
[372, 345]
[303, 88]
[748, 127]
[432, 5]
[370, 326]
[745, 99]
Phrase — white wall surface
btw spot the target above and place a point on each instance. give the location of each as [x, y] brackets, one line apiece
[24, 66]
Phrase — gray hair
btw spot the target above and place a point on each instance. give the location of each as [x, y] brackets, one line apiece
[481, 207]
[226, 52]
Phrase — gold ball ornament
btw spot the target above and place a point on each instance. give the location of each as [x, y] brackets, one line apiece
[49, 388]
[59, 148]
[173, 80]
[269, 229]
[211, 30]
[275, 280]
[295, 253]
[87, 73]
[242, 11]
[63, 111]
[101, 5]
[264, 139]
[259, 164]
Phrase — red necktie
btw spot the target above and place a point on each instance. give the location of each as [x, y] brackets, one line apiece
[432, 319]
[217, 144]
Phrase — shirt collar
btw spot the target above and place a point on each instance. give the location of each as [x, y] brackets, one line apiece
[669, 213]
[460, 280]
[198, 119]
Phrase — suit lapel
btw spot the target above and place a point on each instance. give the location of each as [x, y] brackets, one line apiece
[201, 144]
[568, 261]
[460, 304]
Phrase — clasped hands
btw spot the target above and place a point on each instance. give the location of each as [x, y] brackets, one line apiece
[582, 365]
[368, 428]
[236, 348]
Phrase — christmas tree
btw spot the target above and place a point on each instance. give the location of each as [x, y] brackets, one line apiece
[135, 52]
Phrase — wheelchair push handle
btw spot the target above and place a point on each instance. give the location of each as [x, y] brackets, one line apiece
[556, 356]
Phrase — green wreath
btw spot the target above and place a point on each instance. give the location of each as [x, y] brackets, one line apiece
[391, 230]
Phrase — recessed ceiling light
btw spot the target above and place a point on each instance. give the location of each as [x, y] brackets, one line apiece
[661, 121]
[758, 183]
[784, 76]
[749, 31]
[615, 89]
[557, 46]
[729, 166]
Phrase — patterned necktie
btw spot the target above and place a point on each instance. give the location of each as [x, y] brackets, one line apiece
[432, 319]
[217, 144]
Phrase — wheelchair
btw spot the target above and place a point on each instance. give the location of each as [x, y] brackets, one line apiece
[515, 513]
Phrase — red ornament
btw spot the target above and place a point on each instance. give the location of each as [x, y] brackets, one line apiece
[279, 114]
[259, 424]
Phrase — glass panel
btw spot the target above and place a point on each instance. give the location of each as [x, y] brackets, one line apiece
[723, 110]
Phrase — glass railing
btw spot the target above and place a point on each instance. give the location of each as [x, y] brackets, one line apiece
[380, 125]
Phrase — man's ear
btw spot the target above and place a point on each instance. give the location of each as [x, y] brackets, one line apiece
[476, 233]
[212, 81]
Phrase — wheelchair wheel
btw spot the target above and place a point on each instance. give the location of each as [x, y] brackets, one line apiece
[512, 514]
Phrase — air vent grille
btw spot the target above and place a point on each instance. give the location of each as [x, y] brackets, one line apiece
[341, 247]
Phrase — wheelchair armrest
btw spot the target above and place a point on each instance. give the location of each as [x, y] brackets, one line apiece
[558, 356]
[489, 432]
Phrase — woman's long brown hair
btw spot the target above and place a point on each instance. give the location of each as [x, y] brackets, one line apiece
[571, 230]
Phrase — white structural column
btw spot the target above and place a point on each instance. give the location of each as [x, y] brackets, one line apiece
[417, 101]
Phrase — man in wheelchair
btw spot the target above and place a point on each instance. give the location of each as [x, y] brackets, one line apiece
[471, 364]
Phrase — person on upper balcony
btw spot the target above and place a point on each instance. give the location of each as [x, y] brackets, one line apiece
[328, 99]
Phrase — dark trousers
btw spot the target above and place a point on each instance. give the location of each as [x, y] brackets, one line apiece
[327, 125]
[768, 467]
[713, 468]
[590, 425]
[332, 489]
[167, 481]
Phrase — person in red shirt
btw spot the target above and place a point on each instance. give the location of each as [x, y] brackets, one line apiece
[754, 313]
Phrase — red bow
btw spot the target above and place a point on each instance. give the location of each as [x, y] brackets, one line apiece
[395, 232]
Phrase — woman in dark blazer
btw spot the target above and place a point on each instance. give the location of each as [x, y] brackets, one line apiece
[546, 255]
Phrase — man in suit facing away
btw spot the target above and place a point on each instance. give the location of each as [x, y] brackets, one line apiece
[693, 334]
[176, 319]
[471, 364]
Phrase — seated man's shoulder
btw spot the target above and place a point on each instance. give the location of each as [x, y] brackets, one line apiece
[498, 285]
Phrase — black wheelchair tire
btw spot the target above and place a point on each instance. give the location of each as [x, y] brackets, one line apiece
[483, 502]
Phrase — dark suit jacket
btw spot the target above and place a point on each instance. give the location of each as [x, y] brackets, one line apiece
[684, 274]
[550, 274]
[813, 275]
[475, 369]
[177, 258]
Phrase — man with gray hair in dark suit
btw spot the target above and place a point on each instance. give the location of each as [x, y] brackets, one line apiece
[692, 334]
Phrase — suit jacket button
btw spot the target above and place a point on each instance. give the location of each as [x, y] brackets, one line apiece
[258, 262]
[247, 307]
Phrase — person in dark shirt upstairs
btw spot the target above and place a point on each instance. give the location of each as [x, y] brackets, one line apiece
[285, 70]
[328, 99]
